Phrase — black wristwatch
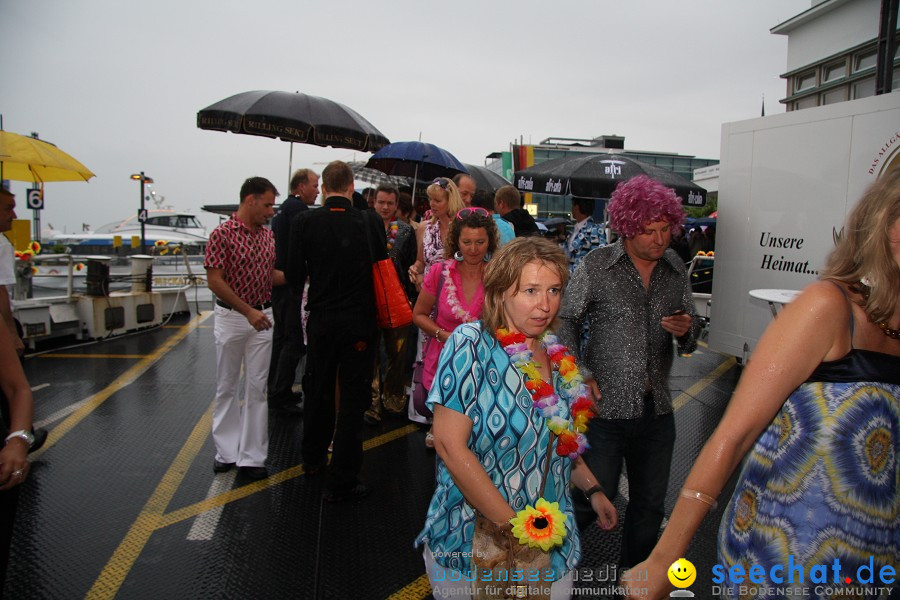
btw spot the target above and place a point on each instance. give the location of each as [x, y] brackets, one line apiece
[593, 490]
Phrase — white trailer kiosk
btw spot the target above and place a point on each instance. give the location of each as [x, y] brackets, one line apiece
[786, 184]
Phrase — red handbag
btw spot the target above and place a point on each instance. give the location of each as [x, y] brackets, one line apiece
[392, 308]
[391, 303]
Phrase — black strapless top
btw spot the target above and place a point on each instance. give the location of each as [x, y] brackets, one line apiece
[859, 365]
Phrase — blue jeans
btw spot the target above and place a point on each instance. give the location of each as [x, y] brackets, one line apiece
[645, 444]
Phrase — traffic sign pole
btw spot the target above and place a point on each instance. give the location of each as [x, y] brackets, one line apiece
[35, 201]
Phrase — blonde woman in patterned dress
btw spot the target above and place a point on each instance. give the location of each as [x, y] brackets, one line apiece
[818, 410]
[443, 197]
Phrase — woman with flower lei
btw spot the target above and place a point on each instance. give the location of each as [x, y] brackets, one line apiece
[507, 399]
[453, 293]
[431, 235]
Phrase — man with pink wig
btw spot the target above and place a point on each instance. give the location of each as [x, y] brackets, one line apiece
[635, 297]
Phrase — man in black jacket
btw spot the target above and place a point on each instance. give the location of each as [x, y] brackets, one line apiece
[508, 203]
[330, 246]
[287, 337]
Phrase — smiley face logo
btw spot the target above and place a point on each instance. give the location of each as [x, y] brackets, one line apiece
[682, 573]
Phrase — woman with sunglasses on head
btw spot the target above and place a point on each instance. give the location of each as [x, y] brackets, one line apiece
[445, 202]
[453, 292]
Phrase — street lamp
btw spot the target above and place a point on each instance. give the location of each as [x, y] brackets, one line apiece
[142, 214]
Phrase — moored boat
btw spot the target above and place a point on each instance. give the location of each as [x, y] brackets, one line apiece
[163, 228]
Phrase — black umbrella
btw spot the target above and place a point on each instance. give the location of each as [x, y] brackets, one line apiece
[597, 175]
[293, 117]
[485, 179]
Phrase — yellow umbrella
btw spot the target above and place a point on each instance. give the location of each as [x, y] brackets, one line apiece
[25, 158]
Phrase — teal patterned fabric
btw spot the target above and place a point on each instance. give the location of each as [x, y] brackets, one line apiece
[476, 378]
[591, 235]
[822, 482]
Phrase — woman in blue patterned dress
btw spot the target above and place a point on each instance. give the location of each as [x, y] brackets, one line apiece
[492, 435]
[817, 410]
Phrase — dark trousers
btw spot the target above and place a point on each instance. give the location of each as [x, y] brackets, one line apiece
[4, 410]
[9, 499]
[389, 381]
[646, 445]
[342, 354]
[287, 344]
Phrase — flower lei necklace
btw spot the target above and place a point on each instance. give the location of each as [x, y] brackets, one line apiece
[543, 525]
[392, 235]
[571, 439]
[452, 299]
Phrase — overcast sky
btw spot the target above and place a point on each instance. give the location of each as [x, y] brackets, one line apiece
[118, 84]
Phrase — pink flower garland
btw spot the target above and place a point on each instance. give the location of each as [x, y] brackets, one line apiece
[453, 300]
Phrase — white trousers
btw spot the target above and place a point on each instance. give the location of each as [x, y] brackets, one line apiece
[241, 430]
[447, 583]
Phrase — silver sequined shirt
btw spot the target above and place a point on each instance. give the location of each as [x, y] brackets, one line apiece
[627, 344]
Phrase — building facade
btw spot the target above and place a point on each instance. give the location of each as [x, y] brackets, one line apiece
[832, 52]
[544, 206]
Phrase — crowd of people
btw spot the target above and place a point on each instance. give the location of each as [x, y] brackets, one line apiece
[546, 369]
[303, 288]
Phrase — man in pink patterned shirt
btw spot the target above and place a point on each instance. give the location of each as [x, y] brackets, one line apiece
[240, 260]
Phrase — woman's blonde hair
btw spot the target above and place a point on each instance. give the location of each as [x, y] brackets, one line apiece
[864, 248]
[445, 187]
[505, 269]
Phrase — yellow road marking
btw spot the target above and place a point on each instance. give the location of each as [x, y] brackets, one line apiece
[418, 589]
[694, 390]
[390, 436]
[198, 508]
[113, 575]
[153, 516]
[212, 502]
[93, 356]
[120, 382]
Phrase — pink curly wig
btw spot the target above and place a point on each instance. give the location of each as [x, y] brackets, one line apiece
[641, 200]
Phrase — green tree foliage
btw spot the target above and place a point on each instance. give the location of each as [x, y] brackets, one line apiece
[712, 205]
